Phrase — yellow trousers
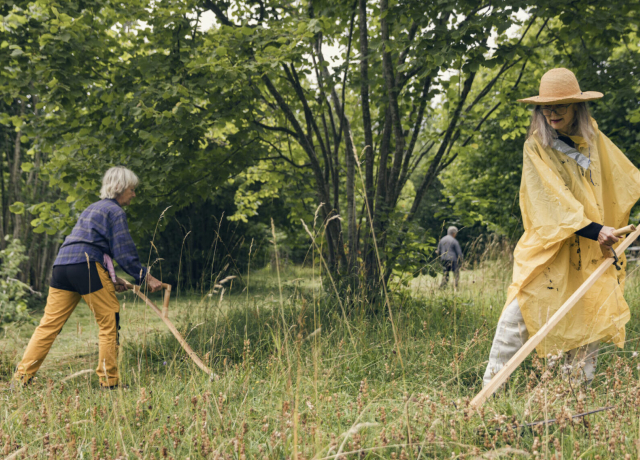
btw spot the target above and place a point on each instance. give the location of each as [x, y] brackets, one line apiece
[60, 305]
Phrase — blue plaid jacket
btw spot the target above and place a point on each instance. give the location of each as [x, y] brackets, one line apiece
[102, 229]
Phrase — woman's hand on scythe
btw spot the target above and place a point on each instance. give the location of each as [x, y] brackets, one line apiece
[153, 283]
[606, 237]
[120, 285]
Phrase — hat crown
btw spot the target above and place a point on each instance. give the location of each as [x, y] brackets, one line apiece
[559, 83]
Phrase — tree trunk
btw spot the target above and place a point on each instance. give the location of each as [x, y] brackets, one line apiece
[44, 263]
[392, 93]
[3, 198]
[380, 210]
[337, 255]
[350, 152]
[15, 177]
[352, 240]
[370, 262]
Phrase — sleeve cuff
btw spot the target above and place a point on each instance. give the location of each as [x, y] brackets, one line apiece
[591, 231]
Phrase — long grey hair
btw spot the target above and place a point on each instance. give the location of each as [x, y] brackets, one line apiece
[581, 125]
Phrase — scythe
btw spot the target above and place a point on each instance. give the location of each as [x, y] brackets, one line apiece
[164, 315]
[511, 365]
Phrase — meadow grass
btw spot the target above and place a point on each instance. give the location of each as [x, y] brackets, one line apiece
[294, 377]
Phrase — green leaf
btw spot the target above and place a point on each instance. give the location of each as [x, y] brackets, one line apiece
[17, 207]
[26, 166]
[44, 38]
[221, 51]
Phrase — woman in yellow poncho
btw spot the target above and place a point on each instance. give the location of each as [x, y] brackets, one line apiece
[576, 188]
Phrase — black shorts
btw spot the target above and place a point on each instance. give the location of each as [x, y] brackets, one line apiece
[81, 278]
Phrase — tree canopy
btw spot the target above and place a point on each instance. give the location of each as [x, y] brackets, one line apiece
[378, 120]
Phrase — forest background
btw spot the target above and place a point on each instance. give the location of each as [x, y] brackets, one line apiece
[376, 124]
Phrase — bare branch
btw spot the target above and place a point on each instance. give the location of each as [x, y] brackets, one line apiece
[480, 123]
[405, 77]
[488, 114]
[305, 142]
[430, 175]
[292, 76]
[276, 128]
[413, 29]
[488, 86]
[419, 158]
[346, 67]
[416, 131]
[364, 98]
[282, 156]
[219, 13]
[324, 97]
[392, 93]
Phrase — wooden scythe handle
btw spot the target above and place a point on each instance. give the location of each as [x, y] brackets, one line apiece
[164, 316]
[511, 365]
[625, 230]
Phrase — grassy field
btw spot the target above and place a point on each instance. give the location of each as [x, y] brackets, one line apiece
[297, 377]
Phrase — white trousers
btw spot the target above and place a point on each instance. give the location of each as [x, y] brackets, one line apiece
[511, 334]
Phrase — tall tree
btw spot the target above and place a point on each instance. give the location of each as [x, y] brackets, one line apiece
[399, 75]
[261, 92]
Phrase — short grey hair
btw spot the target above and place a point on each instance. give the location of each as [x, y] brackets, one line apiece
[116, 180]
[581, 125]
[452, 231]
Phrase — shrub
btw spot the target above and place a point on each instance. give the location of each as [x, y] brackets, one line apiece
[13, 306]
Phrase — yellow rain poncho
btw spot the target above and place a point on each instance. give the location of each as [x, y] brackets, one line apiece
[561, 192]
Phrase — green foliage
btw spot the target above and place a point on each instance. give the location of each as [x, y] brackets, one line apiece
[191, 111]
[13, 306]
[199, 244]
[137, 95]
[481, 186]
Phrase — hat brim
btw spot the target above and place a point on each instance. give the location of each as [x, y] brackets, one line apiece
[580, 97]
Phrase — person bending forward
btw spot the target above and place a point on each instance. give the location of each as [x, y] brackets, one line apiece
[81, 271]
[577, 186]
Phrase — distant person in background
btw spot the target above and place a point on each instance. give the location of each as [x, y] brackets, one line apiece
[450, 256]
[83, 269]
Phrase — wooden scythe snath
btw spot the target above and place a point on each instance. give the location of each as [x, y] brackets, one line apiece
[164, 315]
[511, 365]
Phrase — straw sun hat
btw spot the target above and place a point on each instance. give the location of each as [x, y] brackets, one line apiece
[560, 86]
